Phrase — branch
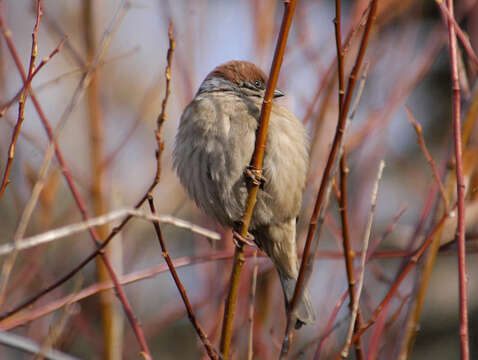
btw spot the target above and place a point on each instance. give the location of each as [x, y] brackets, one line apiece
[322, 201]
[465, 40]
[21, 105]
[460, 188]
[108, 35]
[368, 229]
[348, 252]
[182, 291]
[72, 229]
[256, 167]
[411, 263]
[26, 345]
[431, 162]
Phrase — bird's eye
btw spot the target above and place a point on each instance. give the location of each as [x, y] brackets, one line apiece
[257, 84]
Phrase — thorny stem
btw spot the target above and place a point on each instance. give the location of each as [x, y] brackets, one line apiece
[256, 166]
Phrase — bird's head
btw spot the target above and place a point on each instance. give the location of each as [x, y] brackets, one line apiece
[241, 76]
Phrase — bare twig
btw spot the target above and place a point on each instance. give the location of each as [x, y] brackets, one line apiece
[21, 106]
[33, 314]
[58, 326]
[465, 40]
[411, 263]
[112, 345]
[17, 96]
[256, 166]
[72, 229]
[161, 118]
[412, 326]
[53, 145]
[202, 335]
[321, 200]
[252, 299]
[460, 188]
[431, 162]
[368, 229]
[21, 343]
[9, 262]
[340, 302]
[146, 273]
[343, 181]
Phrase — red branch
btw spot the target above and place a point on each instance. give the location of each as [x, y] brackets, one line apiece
[411, 263]
[76, 195]
[460, 188]
[309, 250]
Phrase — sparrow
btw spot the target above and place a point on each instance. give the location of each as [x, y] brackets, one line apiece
[213, 149]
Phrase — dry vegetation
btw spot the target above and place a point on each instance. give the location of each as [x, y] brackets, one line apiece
[90, 97]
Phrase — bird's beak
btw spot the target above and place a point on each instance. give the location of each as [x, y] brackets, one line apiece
[278, 93]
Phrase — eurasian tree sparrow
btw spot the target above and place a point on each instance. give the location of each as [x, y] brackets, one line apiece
[214, 146]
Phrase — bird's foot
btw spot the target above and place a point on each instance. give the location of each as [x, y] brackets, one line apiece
[254, 177]
[240, 240]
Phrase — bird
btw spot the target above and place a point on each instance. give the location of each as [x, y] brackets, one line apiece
[213, 149]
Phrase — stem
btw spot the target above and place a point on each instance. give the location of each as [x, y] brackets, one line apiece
[321, 202]
[256, 167]
[348, 252]
[182, 291]
[460, 188]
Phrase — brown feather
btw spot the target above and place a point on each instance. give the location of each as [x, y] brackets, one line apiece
[238, 71]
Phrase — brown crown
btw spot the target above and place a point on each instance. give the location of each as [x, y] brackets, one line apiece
[238, 72]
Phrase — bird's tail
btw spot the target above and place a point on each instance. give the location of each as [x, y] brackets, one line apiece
[305, 311]
[278, 241]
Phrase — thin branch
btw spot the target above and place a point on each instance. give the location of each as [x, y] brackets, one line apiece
[58, 326]
[21, 105]
[368, 229]
[330, 325]
[26, 85]
[431, 162]
[33, 314]
[252, 299]
[465, 40]
[10, 261]
[108, 35]
[256, 168]
[460, 188]
[412, 327]
[111, 323]
[348, 252]
[411, 263]
[322, 197]
[340, 302]
[197, 327]
[72, 229]
[21, 343]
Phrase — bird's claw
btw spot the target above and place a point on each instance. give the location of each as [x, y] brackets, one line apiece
[254, 176]
[240, 240]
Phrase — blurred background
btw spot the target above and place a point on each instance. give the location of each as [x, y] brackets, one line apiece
[108, 144]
